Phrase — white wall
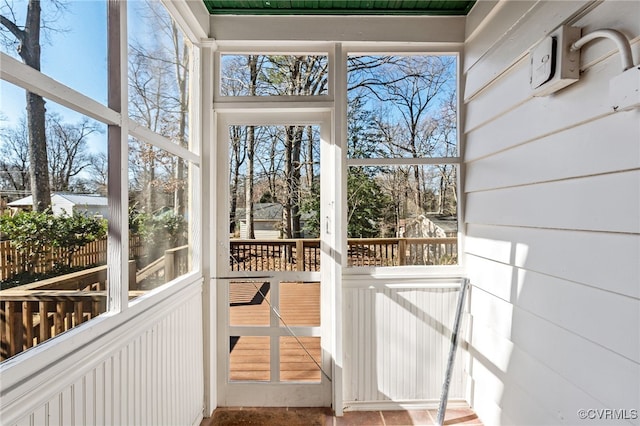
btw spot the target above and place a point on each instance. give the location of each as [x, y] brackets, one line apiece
[143, 367]
[552, 220]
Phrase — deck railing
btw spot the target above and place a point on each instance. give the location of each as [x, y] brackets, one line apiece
[304, 254]
[13, 262]
[33, 313]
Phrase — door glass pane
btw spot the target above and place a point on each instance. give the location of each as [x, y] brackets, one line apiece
[300, 359]
[274, 201]
[249, 303]
[249, 358]
[300, 303]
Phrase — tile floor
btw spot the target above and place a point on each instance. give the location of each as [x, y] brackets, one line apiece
[240, 416]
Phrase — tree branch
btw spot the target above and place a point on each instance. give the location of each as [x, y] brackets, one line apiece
[11, 26]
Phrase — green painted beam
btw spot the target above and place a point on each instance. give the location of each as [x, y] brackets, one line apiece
[339, 7]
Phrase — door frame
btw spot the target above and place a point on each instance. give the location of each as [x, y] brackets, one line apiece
[278, 393]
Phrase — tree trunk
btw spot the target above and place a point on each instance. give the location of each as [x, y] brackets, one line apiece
[38, 161]
[252, 62]
[29, 50]
[293, 142]
[249, 184]
[236, 161]
[181, 65]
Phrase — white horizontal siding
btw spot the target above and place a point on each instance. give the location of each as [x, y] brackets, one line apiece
[397, 341]
[552, 222]
[154, 377]
[589, 258]
[594, 203]
[574, 152]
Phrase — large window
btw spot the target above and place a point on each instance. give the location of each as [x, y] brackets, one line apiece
[159, 169]
[403, 160]
[60, 158]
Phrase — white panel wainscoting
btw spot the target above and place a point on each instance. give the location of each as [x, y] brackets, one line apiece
[397, 340]
[144, 371]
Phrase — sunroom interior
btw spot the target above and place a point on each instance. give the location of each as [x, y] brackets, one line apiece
[488, 150]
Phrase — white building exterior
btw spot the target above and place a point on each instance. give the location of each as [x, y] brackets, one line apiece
[63, 203]
[550, 225]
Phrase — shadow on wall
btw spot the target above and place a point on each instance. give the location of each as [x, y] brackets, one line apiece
[548, 350]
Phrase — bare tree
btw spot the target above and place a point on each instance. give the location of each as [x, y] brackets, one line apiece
[238, 155]
[408, 91]
[159, 99]
[67, 150]
[254, 65]
[14, 160]
[28, 38]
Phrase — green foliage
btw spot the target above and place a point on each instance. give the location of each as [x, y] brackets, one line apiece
[310, 208]
[73, 232]
[159, 232]
[33, 234]
[367, 205]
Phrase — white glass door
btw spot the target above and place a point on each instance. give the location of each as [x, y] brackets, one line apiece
[273, 332]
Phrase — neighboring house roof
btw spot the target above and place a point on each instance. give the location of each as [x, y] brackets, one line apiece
[448, 224]
[84, 199]
[263, 211]
[75, 199]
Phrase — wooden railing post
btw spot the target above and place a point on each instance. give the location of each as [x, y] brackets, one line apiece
[169, 265]
[299, 255]
[45, 327]
[14, 333]
[27, 324]
[402, 251]
[58, 318]
[133, 285]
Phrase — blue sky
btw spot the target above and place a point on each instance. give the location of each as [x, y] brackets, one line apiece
[74, 53]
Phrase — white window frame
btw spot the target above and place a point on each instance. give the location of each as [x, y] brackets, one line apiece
[410, 272]
[51, 354]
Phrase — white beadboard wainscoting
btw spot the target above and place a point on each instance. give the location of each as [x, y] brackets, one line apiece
[397, 341]
[145, 369]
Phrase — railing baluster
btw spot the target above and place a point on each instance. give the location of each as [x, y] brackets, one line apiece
[45, 327]
[27, 324]
[77, 313]
[58, 318]
[15, 327]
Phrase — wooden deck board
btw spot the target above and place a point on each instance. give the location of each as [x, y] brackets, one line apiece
[250, 355]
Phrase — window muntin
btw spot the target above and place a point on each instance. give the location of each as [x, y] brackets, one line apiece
[274, 75]
[402, 106]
